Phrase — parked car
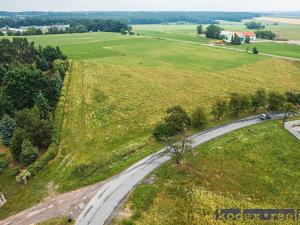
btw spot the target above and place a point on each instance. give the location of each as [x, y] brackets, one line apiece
[265, 117]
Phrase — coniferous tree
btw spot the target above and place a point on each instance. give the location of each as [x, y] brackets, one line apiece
[7, 127]
[236, 40]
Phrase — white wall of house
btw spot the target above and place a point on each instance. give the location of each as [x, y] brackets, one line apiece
[228, 35]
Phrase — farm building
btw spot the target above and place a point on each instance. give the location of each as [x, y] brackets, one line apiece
[228, 35]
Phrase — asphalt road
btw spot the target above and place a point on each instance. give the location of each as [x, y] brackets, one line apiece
[99, 210]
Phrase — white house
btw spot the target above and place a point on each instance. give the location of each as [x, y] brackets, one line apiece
[5, 29]
[228, 35]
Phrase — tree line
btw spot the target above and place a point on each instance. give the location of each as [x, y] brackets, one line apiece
[75, 26]
[30, 84]
[255, 26]
[177, 119]
[49, 18]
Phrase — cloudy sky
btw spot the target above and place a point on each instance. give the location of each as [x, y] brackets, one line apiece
[149, 5]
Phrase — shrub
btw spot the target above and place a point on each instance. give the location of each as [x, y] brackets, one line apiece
[255, 51]
[16, 143]
[3, 164]
[199, 118]
[127, 222]
[174, 122]
[179, 116]
[164, 130]
[23, 176]
[60, 66]
[29, 153]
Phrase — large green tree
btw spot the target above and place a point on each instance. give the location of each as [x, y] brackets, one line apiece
[37, 130]
[238, 103]
[219, 109]
[213, 31]
[259, 99]
[275, 101]
[199, 29]
[22, 85]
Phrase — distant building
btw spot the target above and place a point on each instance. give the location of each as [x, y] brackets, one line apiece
[6, 29]
[228, 35]
[44, 29]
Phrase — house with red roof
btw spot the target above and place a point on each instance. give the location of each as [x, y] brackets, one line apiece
[227, 36]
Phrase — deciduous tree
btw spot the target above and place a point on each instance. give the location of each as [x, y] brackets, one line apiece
[177, 150]
[219, 109]
[199, 118]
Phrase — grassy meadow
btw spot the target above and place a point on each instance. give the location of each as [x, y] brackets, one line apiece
[119, 88]
[283, 30]
[287, 50]
[255, 167]
[188, 33]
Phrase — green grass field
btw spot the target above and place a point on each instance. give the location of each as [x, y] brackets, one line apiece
[119, 88]
[188, 33]
[287, 50]
[283, 30]
[255, 167]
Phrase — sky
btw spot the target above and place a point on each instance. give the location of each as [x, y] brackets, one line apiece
[149, 5]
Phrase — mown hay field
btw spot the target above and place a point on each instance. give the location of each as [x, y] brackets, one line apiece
[119, 88]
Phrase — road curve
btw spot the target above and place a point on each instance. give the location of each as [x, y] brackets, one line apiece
[99, 210]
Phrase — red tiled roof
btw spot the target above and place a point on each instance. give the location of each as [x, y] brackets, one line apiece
[247, 33]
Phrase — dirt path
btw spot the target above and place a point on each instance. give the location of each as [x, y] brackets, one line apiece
[71, 203]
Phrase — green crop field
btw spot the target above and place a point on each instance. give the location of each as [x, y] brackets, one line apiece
[119, 88]
[255, 167]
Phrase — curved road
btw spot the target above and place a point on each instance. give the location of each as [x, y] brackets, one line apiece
[99, 210]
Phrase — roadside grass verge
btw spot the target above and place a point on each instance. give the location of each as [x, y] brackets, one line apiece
[254, 167]
[57, 221]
